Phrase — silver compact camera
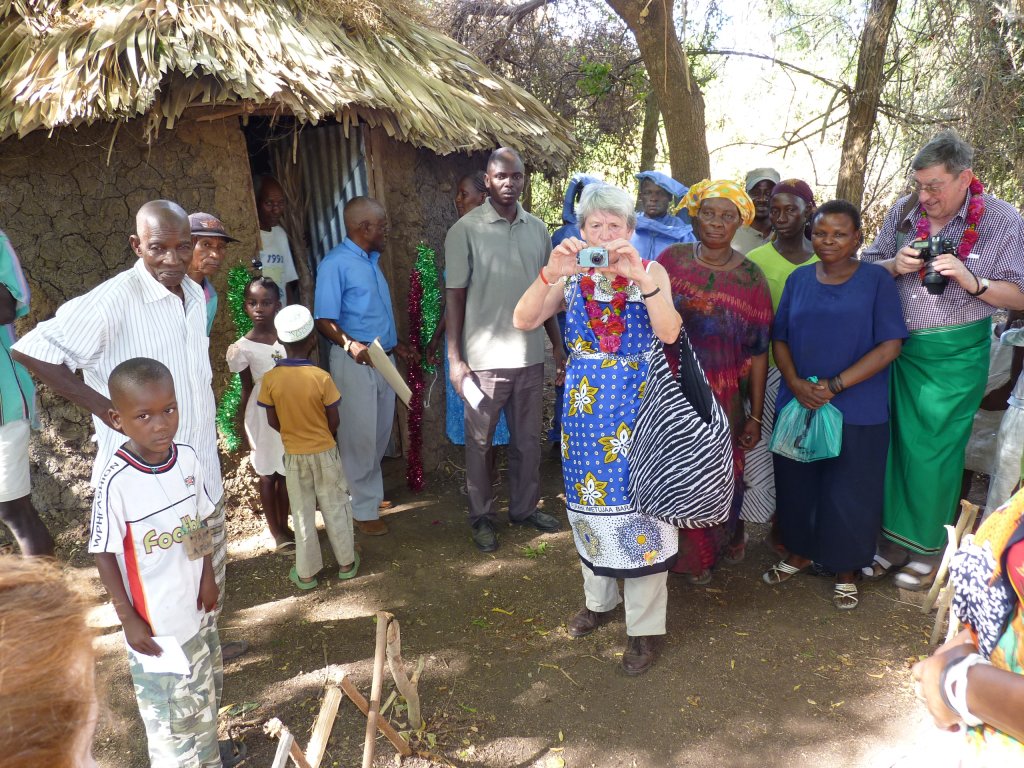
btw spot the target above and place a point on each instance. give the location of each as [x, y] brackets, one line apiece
[592, 257]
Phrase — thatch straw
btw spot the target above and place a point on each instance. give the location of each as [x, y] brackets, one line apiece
[82, 61]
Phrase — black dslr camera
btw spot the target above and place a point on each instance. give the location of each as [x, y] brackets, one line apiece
[935, 245]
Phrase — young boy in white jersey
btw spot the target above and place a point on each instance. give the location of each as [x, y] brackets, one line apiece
[153, 554]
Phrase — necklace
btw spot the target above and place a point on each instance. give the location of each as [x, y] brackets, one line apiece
[699, 253]
[975, 210]
[606, 322]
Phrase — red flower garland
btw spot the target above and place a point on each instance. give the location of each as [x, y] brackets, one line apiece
[975, 210]
[606, 322]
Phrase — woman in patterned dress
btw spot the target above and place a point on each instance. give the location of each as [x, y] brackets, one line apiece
[726, 308]
[617, 317]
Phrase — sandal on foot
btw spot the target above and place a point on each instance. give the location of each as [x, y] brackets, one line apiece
[844, 596]
[284, 547]
[735, 553]
[915, 576]
[880, 568]
[351, 572]
[780, 572]
[699, 579]
[302, 583]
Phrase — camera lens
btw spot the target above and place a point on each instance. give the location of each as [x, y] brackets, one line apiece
[598, 259]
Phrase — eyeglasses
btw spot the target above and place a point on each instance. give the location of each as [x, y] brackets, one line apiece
[932, 188]
[708, 216]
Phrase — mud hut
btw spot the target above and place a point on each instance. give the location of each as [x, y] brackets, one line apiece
[105, 104]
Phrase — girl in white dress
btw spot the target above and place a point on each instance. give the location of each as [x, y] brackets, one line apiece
[251, 357]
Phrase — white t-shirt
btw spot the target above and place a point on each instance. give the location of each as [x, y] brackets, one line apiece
[140, 513]
[276, 256]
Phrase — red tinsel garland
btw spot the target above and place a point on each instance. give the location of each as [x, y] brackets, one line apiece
[414, 468]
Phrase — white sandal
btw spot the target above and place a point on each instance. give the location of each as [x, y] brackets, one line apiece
[844, 596]
[915, 576]
[780, 572]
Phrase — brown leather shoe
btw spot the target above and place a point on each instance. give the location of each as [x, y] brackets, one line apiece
[586, 621]
[640, 653]
[371, 527]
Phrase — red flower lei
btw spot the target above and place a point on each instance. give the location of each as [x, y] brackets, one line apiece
[975, 210]
[607, 321]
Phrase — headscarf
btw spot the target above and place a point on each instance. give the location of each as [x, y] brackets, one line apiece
[729, 190]
[670, 185]
[797, 188]
[572, 195]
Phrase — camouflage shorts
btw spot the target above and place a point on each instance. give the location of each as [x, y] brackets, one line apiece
[179, 711]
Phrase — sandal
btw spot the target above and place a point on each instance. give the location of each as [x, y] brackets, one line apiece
[351, 572]
[302, 583]
[735, 553]
[699, 579]
[780, 572]
[880, 568]
[844, 596]
[284, 547]
[916, 576]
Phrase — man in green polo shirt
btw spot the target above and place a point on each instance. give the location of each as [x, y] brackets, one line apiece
[17, 409]
[492, 255]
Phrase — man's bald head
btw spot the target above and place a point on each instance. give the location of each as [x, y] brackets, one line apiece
[270, 202]
[366, 223]
[162, 213]
[163, 240]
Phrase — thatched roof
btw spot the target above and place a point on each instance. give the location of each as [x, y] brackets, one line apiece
[80, 61]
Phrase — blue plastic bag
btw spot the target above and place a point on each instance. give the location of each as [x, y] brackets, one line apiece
[805, 435]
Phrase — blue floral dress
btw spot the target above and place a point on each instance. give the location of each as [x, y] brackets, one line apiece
[602, 396]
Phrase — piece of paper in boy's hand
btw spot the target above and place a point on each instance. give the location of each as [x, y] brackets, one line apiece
[472, 393]
[172, 660]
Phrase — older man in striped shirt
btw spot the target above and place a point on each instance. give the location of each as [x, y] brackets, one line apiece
[149, 310]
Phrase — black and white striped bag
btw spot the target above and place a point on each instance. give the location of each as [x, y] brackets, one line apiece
[680, 454]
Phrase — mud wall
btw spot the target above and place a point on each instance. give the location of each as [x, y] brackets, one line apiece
[69, 213]
[418, 192]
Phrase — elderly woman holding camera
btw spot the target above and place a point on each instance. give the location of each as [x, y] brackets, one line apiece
[726, 307]
[619, 313]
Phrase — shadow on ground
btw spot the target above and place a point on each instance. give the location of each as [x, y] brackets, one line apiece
[750, 675]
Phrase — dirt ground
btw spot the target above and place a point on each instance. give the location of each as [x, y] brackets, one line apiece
[750, 675]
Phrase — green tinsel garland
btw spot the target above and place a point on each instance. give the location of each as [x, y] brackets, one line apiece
[231, 400]
[430, 306]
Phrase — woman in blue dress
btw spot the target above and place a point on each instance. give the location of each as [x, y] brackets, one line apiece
[617, 317]
[839, 320]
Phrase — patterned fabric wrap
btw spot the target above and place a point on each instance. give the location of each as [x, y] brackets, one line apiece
[603, 392]
[681, 465]
[708, 190]
[983, 597]
[985, 600]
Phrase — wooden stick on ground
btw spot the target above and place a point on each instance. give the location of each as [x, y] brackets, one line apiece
[378, 680]
[322, 729]
[383, 725]
[409, 688]
[286, 746]
[964, 524]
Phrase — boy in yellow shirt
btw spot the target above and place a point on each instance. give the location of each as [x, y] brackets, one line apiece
[302, 404]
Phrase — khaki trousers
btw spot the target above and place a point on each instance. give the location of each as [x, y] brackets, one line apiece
[646, 599]
[317, 479]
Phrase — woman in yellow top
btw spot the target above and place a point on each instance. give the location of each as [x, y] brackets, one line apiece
[791, 208]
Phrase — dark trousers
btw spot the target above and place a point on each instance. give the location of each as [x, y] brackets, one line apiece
[520, 392]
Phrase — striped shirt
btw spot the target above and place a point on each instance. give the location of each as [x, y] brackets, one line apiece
[141, 513]
[133, 315]
[998, 255]
[17, 392]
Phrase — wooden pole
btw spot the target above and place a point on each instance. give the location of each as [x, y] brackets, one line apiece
[322, 728]
[369, 741]
[383, 725]
[408, 688]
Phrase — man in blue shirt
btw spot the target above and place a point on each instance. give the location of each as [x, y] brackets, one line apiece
[656, 228]
[352, 308]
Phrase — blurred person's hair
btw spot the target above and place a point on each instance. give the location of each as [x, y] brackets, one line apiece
[47, 688]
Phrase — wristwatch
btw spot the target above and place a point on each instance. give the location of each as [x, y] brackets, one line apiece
[983, 284]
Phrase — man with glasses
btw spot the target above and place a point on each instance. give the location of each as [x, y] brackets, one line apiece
[939, 380]
[759, 185]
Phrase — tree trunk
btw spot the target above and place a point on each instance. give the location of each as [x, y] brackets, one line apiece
[649, 138]
[679, 97]
[867, 92]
